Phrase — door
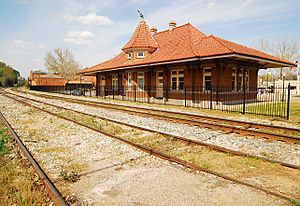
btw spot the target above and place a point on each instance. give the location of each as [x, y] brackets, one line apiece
[160, 84]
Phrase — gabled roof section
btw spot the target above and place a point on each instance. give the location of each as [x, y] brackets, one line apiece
[240, 49]
[141, 38]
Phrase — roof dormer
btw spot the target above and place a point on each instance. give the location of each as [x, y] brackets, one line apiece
[141, 41]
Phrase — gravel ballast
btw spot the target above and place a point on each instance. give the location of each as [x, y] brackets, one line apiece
[113, 173]
[280, 151]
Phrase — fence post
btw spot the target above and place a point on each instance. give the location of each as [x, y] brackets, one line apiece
[244, 99]
[135, 93]
[288, 102]
[113, 91]
[211, 96]
[217, 95]
[185, 96]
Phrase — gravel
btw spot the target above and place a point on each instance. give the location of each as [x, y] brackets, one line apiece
[280, 151]
[115, 173]
[245, 118]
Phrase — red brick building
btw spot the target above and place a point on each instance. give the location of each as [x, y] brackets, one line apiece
[180, 60]
[39, 79]
[45, 79]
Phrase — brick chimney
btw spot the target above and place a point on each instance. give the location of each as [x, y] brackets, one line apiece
[172, 25]
[153, 30]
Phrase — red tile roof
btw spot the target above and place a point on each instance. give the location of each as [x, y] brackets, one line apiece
[183, 42]
[141, 38]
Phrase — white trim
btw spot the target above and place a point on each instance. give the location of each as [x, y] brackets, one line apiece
[141, 77]
[248, 57]
[198, 58]
[115, 81]
[233, 74]
[206, 74]
[129, 80]
[139, 56]
[129, 56]
[177, 76]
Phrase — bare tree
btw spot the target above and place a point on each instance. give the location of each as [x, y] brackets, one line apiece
[62, 62]
[286, 49]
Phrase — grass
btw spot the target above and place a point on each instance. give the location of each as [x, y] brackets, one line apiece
[4, 138]
[54, 149]
[295, 112]
[105, 126]
[70, 172]
[17, 183]
[244, 168]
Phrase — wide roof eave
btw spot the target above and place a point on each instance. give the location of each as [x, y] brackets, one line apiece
[266, 62]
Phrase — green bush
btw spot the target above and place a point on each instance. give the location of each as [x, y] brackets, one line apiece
[8, 76]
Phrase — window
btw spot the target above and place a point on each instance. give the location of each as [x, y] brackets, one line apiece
[129, 55]
[240, 79]
[177, 79]
[141, 80]
[233, 84]
[247, 79]
[124, 80]
[115, 81]
[129, 81]
[243, 81]
[140, 54]
[207, 78]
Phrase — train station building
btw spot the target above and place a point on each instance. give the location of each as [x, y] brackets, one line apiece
[181, 62]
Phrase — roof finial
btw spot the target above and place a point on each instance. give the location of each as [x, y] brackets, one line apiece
[141, 15]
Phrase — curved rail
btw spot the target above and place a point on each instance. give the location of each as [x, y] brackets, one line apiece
[187, 140]
[53, 192]
[166, 156]
[229, 126]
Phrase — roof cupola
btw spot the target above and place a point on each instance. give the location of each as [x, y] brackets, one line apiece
[141, 38]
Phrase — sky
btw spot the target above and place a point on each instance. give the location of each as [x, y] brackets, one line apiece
[96, 30]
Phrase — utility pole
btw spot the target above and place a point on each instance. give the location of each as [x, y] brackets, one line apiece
[297, 79]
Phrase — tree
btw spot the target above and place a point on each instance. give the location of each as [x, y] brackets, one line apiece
[8, 75]
[23, 82]
[62, 62]
[286, 49]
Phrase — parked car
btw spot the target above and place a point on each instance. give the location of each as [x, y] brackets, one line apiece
[77, 92]
[261, 90]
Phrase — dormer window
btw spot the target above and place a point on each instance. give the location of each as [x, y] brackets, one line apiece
[129, 55]
[140, 54]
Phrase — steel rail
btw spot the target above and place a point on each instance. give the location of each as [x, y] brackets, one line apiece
[211, 125]
[168, 157]
[184, 139]
[53, 192]
[230, 121]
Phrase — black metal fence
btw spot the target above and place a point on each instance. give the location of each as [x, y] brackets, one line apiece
[272, 101]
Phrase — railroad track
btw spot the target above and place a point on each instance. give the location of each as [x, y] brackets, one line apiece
[186, 140]
[283, 134]
[53, 192]
[152, 151]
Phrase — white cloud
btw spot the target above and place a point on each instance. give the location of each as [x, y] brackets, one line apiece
[18, 44]
[82, 37]
[91, 18]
